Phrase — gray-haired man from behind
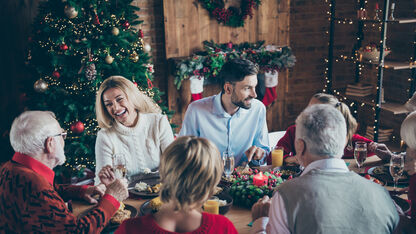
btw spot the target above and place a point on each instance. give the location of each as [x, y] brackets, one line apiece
[327, 197]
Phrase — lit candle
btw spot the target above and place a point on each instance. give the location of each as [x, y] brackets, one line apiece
[260, 180]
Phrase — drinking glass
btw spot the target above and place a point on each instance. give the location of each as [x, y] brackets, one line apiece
[396, 167]
[119, 166]
[228, 160]
[360, 153]
[277, 156]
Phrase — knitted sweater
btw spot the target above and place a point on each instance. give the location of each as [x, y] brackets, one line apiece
[30, 203]
[211, 224]
[141, 145]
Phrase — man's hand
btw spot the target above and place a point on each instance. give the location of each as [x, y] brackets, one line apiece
[106, 175]
[254, 153]
[410, 167]
[380, 150]
[92, 191]
[118, 189]
[261, 208]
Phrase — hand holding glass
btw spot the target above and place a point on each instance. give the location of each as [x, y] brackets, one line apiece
[360, 153]
[119, 166]
[228, 160]
[396, 168]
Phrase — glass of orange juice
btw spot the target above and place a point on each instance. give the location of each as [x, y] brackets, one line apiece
[212, 205]
[277, 156]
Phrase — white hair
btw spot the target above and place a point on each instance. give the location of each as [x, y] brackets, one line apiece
[30, 130]
[323, 129]
[408, 130]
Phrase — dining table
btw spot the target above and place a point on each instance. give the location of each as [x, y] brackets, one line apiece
[241, 216]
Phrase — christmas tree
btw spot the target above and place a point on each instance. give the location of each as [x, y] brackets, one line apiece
[76, 44]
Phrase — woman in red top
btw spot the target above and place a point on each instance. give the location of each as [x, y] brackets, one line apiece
[190, 168]
[288, 140]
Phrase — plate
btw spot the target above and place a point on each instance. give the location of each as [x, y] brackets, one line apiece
[382, 173]
[112, 226]
[287, 171]
[151, 180]
[145, 208]
[403, 204]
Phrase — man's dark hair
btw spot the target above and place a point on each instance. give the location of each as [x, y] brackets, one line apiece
[236, 69]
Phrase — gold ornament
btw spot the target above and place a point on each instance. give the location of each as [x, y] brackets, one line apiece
[70, 11]
[134, 57]
[109, 59]
[40, 86]
[115, 31]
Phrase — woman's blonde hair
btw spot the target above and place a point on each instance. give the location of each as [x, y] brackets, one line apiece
[190, 168]
[141, 102]
[349, 119]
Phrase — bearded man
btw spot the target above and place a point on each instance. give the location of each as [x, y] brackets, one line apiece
[233, 119]
[30, 201]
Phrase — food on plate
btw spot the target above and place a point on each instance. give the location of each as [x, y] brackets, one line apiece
[243, 170]
[368, 177]
[154, 189]
[155, 204]
[217, 190]
[222, 202]
[141, 186]
[121, 215]
[147, 170]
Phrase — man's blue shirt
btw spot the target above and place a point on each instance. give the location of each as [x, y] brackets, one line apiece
[247, 127]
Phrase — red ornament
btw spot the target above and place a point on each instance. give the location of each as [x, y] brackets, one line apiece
[126, 24]
[63, 47]
[141, 33]
[56, 74]
[135, 83]
[230, 45]
[149, 84]
[96, 20]
[77, 127]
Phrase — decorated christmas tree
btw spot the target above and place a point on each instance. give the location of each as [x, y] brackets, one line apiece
[76, 44]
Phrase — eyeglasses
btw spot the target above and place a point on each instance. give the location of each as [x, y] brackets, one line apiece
[63, 134]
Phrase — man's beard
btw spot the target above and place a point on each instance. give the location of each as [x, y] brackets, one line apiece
[60, 154]
[240, 103]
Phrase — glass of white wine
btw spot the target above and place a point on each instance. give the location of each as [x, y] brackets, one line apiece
[360, 153]
[228, 160]
[119, 166]
[396, 168]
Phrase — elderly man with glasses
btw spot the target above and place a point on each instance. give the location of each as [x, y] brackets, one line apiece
[29, 199]
[327, 197]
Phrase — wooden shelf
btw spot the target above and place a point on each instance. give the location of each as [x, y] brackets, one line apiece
[403, 20]
[393, 107]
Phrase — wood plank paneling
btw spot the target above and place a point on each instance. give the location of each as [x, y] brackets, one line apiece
[188, 24]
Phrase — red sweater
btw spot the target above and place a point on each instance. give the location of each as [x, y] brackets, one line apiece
[29, 202]
[215, 224]
[288, 143]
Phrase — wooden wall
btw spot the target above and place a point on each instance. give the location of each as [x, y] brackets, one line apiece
[188, 24]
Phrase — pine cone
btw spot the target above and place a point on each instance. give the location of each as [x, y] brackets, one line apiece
[91, 72]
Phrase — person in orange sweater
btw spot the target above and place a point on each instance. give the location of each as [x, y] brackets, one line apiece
[190, 168]
[30, 201]
[374, 148]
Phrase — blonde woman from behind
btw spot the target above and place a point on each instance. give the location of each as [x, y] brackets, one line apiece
[190, 168]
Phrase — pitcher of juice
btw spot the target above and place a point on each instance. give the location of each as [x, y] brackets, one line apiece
[277, 156]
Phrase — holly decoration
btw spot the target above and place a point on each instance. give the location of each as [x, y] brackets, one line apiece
[246, 194]
[77, 127]
[232, 16]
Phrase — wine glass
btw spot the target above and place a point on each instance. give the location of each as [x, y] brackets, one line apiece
[396, 167]
[360, 153]
[228, 160]
[119, 166]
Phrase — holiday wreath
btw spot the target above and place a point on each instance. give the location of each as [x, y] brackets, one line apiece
[231, 16]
